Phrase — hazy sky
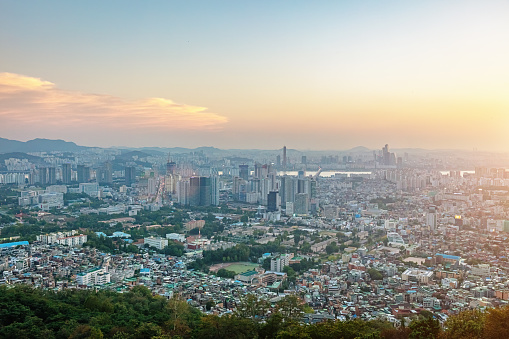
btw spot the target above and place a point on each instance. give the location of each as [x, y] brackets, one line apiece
[257, 74]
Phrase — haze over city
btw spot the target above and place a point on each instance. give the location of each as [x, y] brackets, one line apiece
[254, 169]
[313, 75]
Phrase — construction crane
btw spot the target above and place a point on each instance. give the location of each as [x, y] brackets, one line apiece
[317, 174]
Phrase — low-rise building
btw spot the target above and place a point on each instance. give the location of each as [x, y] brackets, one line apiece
[156, 242]
[96, 276]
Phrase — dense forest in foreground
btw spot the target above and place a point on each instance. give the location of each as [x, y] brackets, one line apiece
[32, 313]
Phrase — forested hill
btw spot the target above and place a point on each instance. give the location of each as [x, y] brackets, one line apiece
[32, 313]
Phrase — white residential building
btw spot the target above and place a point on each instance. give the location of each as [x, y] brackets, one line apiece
[430, 302]
[278, 263]
[96, 276]
[158, 242]
[417, 275]
[64, 238]
[72, 241]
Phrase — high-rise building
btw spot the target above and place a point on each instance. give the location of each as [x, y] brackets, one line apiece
[301, 205]
[52, 175]
[205, 192]
[288, 189]
[152, 186]
[289, 208]
[200, 191]
[312, 188]
[273, 201]
[66, 174]
[388, 158]
[171, 166]
[304, 160]
[257, 170]
[214, 189]
[83, 173]
[431, 218]
[43, 175]
[244, 172]
[302, 186]
[278, 263]
[284, 157]
[183, 188]
[105, 174]
[130, 175]
[194, 191]
[301, 174]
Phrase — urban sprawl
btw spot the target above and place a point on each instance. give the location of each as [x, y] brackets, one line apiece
[365, 234]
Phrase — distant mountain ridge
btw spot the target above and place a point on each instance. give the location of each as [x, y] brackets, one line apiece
[49, 145]
[38, 145]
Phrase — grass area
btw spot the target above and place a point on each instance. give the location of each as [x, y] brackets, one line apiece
[329, 233]
[242, 267]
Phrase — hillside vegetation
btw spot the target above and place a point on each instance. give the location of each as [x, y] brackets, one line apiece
[32, 313]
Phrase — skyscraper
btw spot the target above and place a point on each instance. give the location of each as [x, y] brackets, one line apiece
[52, 175]
[83, 173]
[43, 175]
[385, 154]
[244, 172]
[214, 189]
[183, 188]
[130, 175]
[284, 157]
[66, 174]
[152, 186]
[171, 166]
[301, 205]
[200, 191]
[205, 192]
[273, 201]
[388, 158]
[105, 173]
[288, 189]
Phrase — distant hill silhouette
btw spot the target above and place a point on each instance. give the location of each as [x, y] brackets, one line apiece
[130, 154]
[359, 149]
[38, 145]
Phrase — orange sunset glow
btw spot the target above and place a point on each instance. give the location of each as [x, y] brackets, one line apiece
[327, 76]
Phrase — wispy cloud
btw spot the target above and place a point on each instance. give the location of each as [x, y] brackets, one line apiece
[31, 102]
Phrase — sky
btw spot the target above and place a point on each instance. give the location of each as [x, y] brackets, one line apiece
[316, 75]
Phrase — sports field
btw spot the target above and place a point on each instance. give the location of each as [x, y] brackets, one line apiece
[237, 267]
[241, 267]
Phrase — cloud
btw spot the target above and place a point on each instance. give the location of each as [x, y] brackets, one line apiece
[31, 102]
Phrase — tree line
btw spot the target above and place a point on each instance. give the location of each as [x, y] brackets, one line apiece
[26, 312]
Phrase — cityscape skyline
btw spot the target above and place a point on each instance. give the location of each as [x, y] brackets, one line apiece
[241, 169]
[322, 76]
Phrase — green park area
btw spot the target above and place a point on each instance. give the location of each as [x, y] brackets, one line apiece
[241, 267]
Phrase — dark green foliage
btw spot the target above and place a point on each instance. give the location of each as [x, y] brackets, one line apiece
[6, 219]
[424, 329]
[332, 248]
[224, 273]
[102, 243]
[375, 274]
[33, 313]
[226, 327]
[8, 196]
[174, 248]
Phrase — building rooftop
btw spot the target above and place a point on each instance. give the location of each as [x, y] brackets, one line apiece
[14, 244]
